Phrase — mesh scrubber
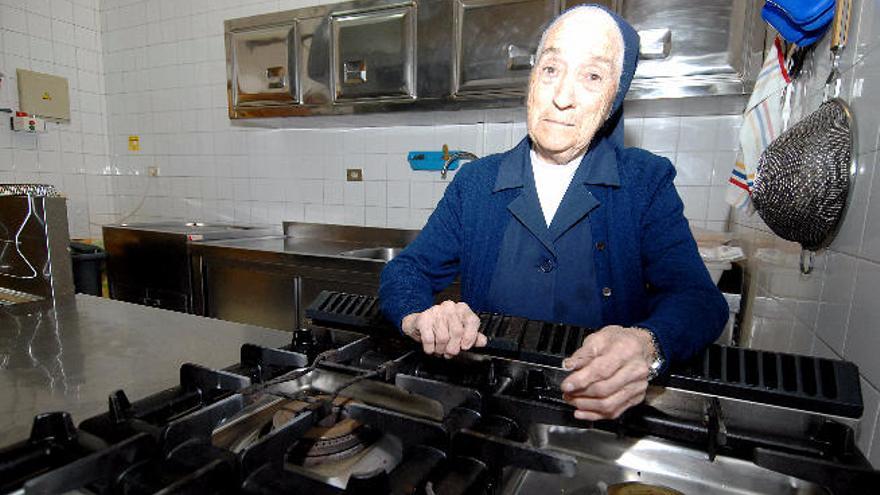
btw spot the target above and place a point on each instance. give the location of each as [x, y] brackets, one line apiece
[804, 176]
[28, 190]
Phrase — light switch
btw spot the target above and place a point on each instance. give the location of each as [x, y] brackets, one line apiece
[43, 95]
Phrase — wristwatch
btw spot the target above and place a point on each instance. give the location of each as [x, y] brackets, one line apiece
[658, 362]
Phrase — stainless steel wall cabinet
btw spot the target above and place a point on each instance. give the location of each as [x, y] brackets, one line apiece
[392, 55]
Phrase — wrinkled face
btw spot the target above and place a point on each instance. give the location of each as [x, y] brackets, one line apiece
[573, 84]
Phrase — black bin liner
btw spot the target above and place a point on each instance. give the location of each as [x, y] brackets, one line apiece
[88, 262]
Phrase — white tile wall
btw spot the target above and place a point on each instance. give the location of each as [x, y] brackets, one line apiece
[59, 37]
[836, 306]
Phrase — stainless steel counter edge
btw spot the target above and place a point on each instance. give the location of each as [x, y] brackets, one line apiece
[315, 253]
[70, 354]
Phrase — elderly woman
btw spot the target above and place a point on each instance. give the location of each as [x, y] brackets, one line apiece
[568, 226]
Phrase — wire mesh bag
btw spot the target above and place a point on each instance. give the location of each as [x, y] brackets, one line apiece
[28, 190]
[804, 176]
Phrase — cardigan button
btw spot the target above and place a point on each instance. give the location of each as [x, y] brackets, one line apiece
[547, 266]
[600, 246]
[606, 291]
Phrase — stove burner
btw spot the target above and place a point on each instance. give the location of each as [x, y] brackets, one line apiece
[335, 438]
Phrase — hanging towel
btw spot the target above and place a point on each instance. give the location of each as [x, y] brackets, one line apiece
[739, 188]
[762, 122]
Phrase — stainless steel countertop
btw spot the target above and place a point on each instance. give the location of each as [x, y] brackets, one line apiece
[311, 244]
[287, 245]
[70, 354]
[316, 239]
[304, 252]
[204, 230]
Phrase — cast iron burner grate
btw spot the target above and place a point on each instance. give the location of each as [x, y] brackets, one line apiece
[803, 382]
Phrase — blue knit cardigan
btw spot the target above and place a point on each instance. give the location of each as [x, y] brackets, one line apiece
[648, 256]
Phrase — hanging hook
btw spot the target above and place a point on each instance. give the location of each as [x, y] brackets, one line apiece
[807, 258]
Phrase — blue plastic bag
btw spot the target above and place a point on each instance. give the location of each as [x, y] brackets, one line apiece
[798, 21]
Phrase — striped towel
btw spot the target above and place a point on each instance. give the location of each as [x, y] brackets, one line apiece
[739, 186]
[762, 122]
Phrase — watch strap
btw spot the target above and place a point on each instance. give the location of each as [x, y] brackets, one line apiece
[657, 364]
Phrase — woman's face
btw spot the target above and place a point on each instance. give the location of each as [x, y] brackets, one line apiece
[573, 84]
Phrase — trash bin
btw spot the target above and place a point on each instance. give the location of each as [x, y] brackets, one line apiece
[88, 262]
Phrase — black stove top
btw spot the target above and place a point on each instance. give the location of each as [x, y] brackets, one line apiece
[344, 411]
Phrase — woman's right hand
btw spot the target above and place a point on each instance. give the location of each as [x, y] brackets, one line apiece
[445, 329]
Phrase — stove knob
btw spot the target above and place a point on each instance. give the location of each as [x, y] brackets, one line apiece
[375, 481]
[303, 339]
[120, 407]
[57, 426]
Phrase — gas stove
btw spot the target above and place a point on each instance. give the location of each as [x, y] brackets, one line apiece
[351, 408]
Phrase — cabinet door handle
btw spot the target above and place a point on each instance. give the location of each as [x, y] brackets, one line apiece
[354, 72]
[519, 58]
[149, 301]
[655, 43]
[276, 77]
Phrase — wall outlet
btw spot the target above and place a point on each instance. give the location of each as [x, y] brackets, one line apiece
[153, 171]
[354, 174]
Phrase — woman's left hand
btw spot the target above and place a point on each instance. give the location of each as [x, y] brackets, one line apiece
[609, 372]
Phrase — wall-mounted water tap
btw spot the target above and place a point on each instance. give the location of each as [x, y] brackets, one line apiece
[456, 155]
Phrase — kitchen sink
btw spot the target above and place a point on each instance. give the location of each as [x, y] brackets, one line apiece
[376, 253]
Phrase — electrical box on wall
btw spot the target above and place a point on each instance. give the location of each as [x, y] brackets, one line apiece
[27, 123]
[43, 95]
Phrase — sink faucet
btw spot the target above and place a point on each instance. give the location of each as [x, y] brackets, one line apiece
[467, 155]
